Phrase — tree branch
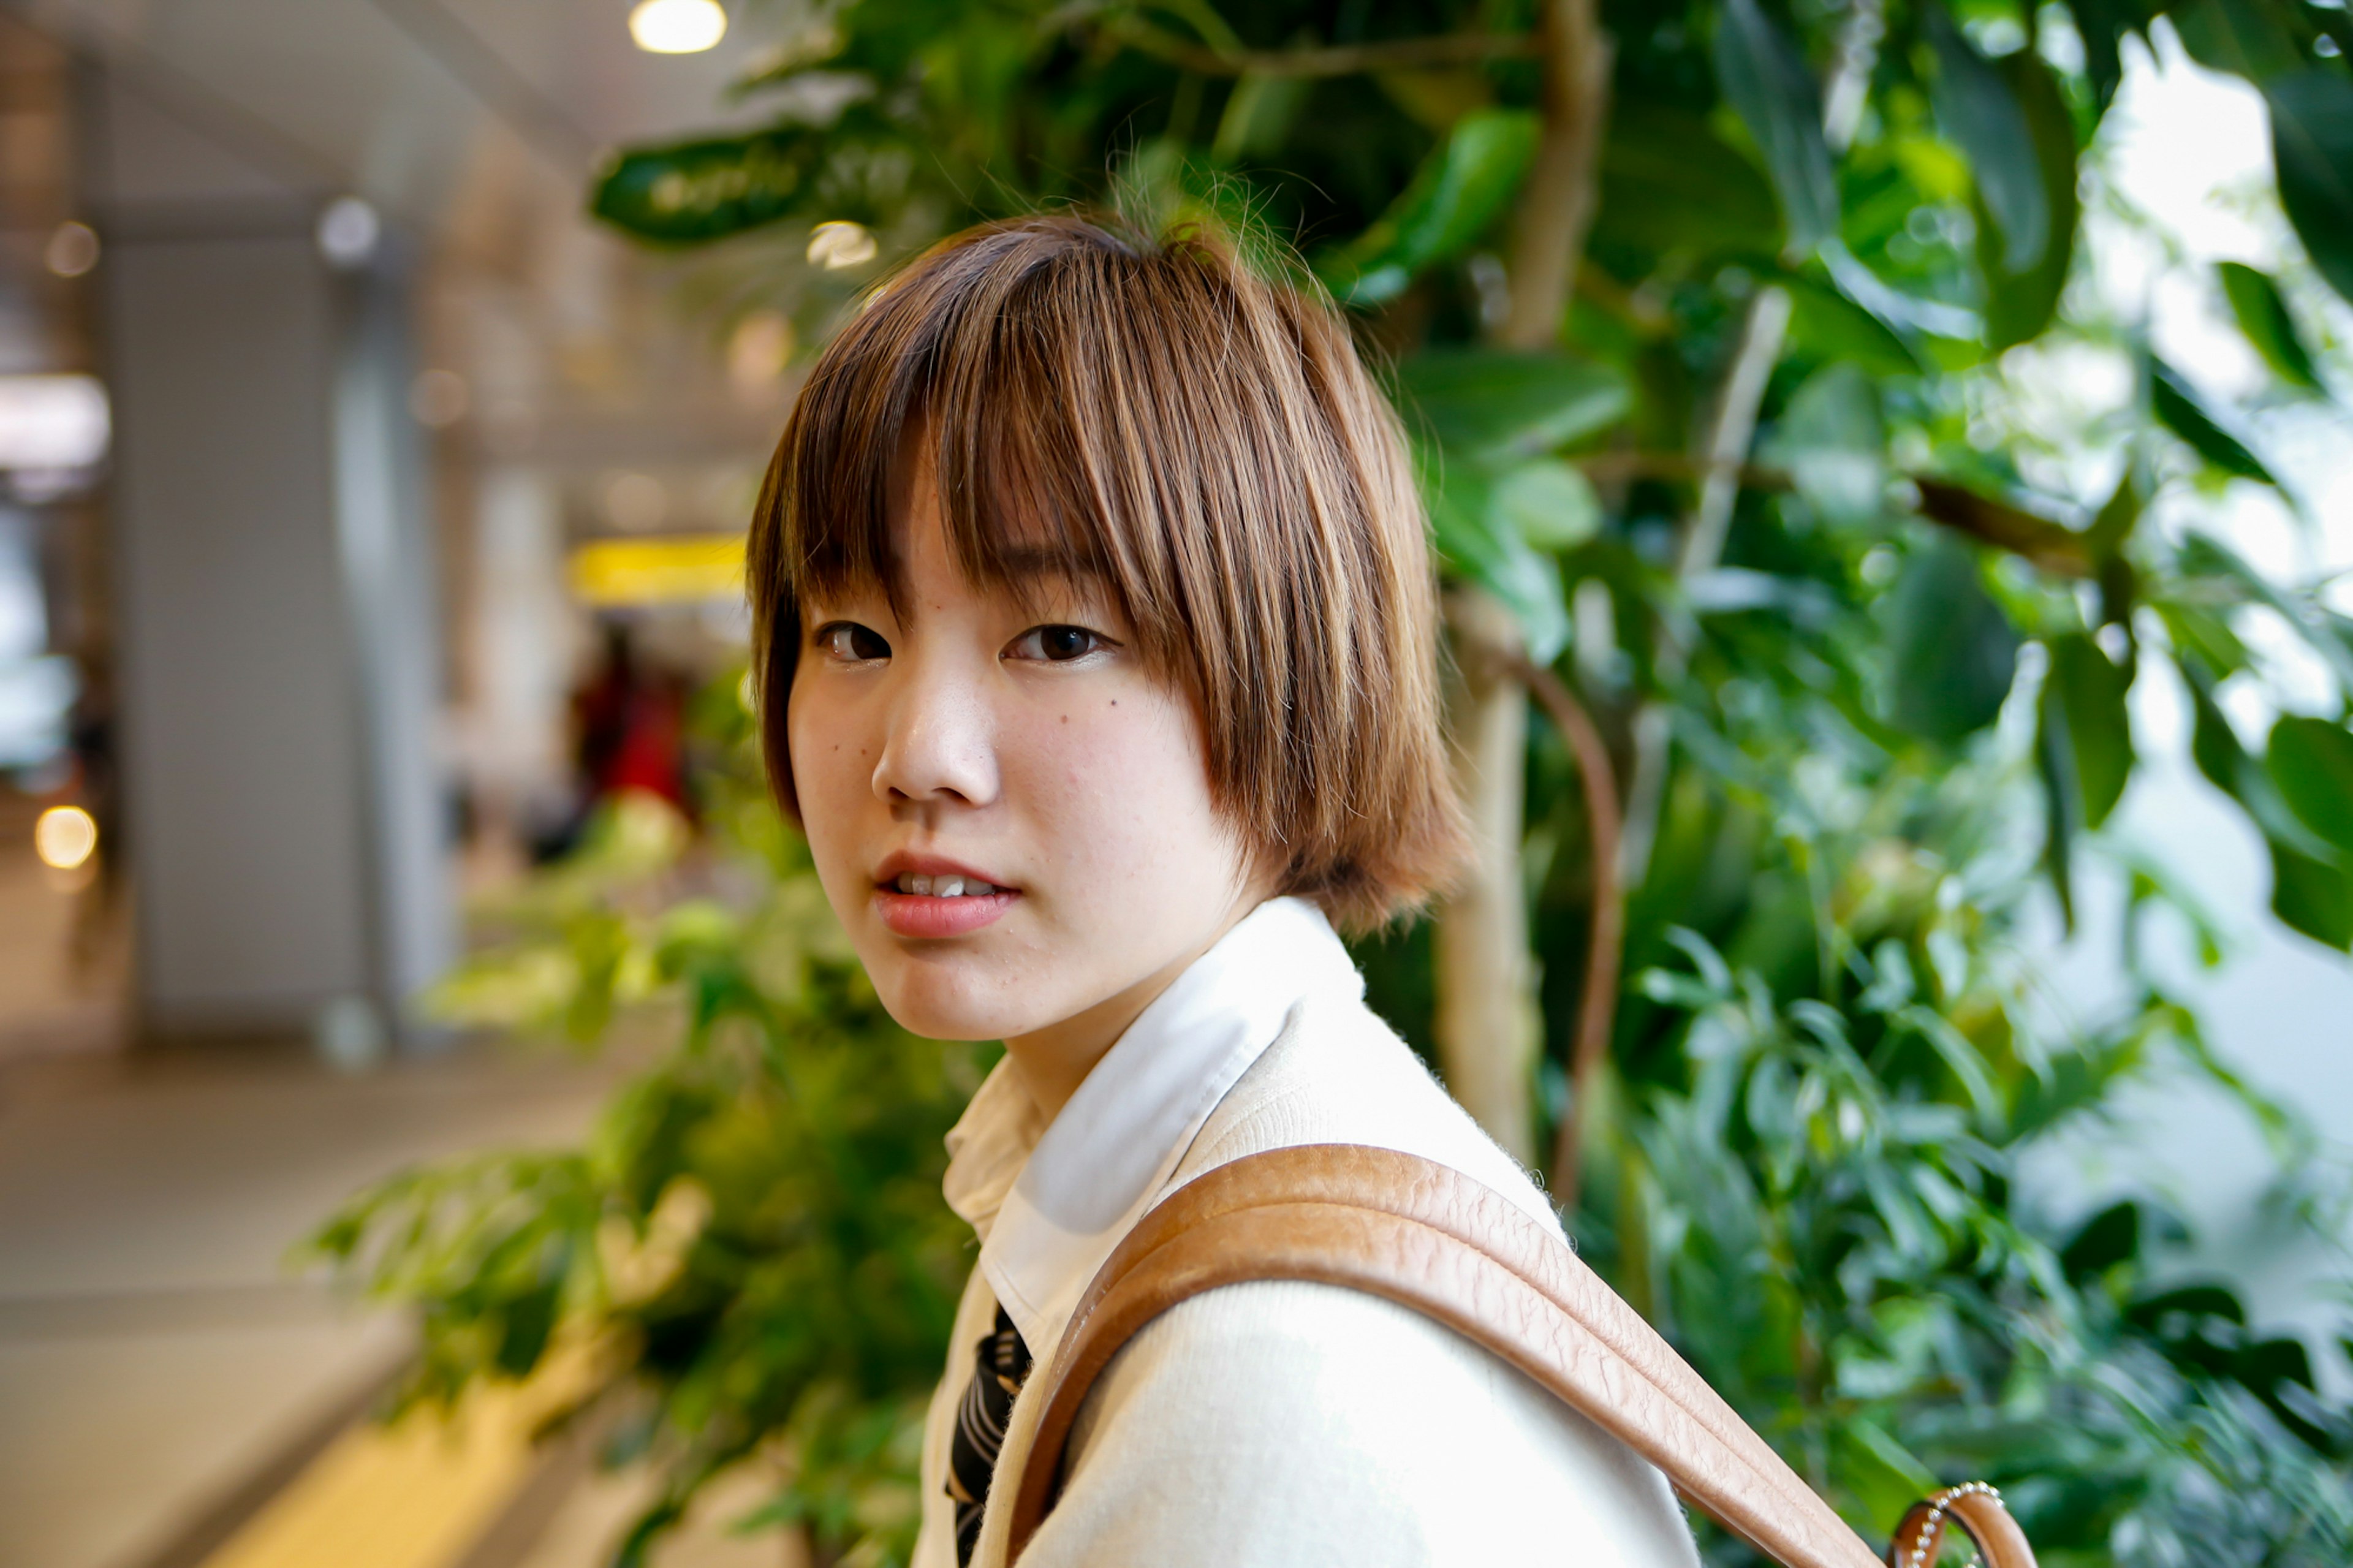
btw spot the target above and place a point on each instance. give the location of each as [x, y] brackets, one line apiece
[2052, 546]
[1557, 204]
[1596, 1006]
[1338, 60]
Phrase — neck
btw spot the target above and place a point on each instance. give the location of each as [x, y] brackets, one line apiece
[1053, 1061]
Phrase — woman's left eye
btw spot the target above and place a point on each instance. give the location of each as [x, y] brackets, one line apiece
[1057, 645]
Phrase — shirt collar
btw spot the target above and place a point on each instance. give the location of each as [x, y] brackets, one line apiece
[1051, 1201]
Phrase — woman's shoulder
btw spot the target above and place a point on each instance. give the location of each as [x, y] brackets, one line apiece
[1339, 1073]
[1314, 1423]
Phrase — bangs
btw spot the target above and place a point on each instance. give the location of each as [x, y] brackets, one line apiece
[1198, 444]
[1026, 370]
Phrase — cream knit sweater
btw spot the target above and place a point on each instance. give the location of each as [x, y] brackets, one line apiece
[1287, 1423]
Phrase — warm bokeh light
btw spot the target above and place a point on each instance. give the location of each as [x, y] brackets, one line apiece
[758, 351]
[72, 249]
[677, 27]
[841, 244]
[64, 836]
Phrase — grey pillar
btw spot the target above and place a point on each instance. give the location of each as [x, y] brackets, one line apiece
[277, 651]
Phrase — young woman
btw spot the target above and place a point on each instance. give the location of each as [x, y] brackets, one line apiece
[1097, 656]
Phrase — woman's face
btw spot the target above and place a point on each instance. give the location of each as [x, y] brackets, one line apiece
[1010, 815]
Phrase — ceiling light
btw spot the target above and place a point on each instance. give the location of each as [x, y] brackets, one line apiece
[72, 249]
[348, 230]
[677, 27]
[65, 837]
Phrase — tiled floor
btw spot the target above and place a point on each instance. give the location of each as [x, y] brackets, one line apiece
[154, 1351]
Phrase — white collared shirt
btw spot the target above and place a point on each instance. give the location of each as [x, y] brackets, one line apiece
[1274, 1423]
[1051, 1205]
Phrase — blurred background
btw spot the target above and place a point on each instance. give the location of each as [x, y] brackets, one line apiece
[321, 398]
[370, 642]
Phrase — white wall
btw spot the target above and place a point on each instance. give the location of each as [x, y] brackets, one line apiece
[273, 590]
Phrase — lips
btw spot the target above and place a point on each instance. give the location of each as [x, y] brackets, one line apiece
[926, 897]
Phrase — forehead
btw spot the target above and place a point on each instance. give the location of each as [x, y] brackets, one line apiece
[923, 557]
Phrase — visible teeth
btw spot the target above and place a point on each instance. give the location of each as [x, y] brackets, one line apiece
[943, 887]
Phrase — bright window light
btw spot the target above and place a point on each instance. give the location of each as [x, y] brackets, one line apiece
[64, 836]
[677, 27]
[52, 421]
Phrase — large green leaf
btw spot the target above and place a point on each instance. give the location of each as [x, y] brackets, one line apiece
[2311, 760]
[2090, 691]
[1489, 406]
[2241, 37]
[2184, 413]
[1833, 441]
[2312, 895]
[1828, 325]
[2103, 24]
[2022, 301]
[2263, 316]
[1953, 652]
[2310, 890]
[1669, 183]
[2214, 746]
[2063, 803]
[1767, 81]
[1984, 117]
[2312, 147]
[1476, 541]
[690, 192]
[1454, 198]
[1548, 502]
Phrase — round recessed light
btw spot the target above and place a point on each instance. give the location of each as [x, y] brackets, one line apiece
[72, 249]
[677, 27]
[64, 836]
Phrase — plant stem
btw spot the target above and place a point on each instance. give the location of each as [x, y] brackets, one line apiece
[1597, 1008]
[1488, 1029]
[1486, 1024]
[1720, 461]
[1561, 188]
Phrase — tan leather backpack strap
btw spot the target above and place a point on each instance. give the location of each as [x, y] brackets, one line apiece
[1978, 1509]
[1432, 1239]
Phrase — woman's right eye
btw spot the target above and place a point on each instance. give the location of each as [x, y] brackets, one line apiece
[851, 643]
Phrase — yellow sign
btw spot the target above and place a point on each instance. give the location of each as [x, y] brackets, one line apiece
[672, 569]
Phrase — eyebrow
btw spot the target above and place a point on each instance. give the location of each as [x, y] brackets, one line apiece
[1048, 560]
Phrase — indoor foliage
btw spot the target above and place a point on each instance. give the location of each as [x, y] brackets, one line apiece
[1838, 639]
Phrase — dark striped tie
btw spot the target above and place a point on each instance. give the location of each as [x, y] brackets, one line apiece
[1000, 1362]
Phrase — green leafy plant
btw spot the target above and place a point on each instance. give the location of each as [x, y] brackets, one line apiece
[752, 1238]
[1719, 328]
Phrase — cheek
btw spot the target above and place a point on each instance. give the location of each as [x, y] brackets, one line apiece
[832, 762]
[1125, 789]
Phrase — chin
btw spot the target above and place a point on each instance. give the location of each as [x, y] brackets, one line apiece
[955, 998]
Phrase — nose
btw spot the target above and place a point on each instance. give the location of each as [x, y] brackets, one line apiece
[940, 749]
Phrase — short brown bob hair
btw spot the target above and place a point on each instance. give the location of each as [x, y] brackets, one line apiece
[1204, 439]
